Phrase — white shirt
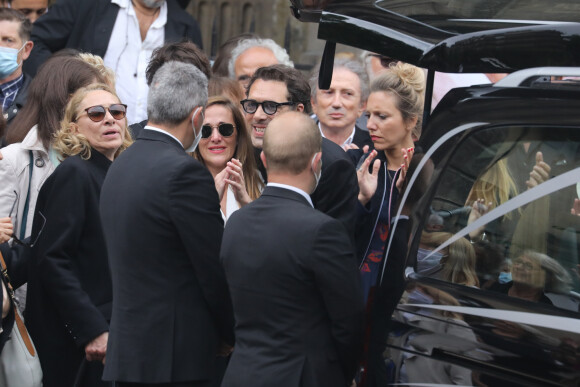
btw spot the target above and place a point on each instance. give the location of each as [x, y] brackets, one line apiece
[348, 140]
[162, 131]
[128, 56]
[292, 188]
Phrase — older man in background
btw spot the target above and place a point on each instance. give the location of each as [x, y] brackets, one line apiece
[251, 54]
[339, 107]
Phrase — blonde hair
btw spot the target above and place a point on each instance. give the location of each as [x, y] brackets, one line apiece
[458, 258]
[67, 141]
[407, 84]
[495, 185]
[97, 62]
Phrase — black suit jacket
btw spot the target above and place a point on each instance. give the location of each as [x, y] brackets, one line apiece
[171, 305]
[337, 191]
[87, 25]
[68, 302]
[296, 294]
[362, 138]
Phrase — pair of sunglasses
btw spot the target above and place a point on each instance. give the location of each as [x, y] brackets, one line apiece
[225, 130]
[385, 60]
[97, 113]
[269, 107]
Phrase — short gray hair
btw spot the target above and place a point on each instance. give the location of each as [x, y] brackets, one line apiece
[351, 65]
[280, 53]
[175, 90]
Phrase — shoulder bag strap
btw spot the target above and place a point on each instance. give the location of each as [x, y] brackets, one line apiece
[17, 318]
[26, 205]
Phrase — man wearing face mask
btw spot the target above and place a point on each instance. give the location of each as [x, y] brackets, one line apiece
[292, 273]
[163, 228]
[15, 48]
[123, 32]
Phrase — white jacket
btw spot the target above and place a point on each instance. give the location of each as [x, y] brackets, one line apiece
[14, 172]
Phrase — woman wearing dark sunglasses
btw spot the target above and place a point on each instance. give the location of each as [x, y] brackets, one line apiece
[226, 150]
[69, 285]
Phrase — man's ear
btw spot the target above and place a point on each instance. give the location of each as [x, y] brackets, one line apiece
[317, 159]
[263, 158]
[27, 49]
[197, 116]
[300, 107]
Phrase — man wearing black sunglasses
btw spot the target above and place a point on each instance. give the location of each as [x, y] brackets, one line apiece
[161, 218]
[278, 88]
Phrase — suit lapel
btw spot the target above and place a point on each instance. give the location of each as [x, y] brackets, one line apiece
[105, 21]
[175, 28]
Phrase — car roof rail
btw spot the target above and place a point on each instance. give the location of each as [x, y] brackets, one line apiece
[537, 75]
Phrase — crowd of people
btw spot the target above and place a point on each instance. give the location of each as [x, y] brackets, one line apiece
[179, 224]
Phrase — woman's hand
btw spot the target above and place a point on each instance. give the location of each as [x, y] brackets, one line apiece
[367, 182]
[478, 209]
[407, 155]
[540, 173]
[6, 229]
[235, 178]
[220, 183]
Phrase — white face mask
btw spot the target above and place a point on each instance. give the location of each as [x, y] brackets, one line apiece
[316, 175]
[198, 135]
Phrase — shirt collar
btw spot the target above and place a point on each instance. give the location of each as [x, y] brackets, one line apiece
[348, 140]
[292, 188]
[148, 127]
[14, 84]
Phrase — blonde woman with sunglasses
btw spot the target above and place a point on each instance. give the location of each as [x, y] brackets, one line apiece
[69, 286]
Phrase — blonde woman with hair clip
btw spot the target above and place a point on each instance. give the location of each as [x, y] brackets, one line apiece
[394, 110]
[69, 286]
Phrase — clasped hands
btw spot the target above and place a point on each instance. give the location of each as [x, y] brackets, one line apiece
[233, 176]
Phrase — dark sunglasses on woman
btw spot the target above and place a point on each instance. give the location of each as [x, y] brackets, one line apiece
[225, 130]
[97, 113]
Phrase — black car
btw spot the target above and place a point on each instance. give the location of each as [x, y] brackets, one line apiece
[479, 142]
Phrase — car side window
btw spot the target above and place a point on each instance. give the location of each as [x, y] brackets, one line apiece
[505, 215]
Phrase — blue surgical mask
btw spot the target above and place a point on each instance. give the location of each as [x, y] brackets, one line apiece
[504, 277]
[8, 60]
[425, 263]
